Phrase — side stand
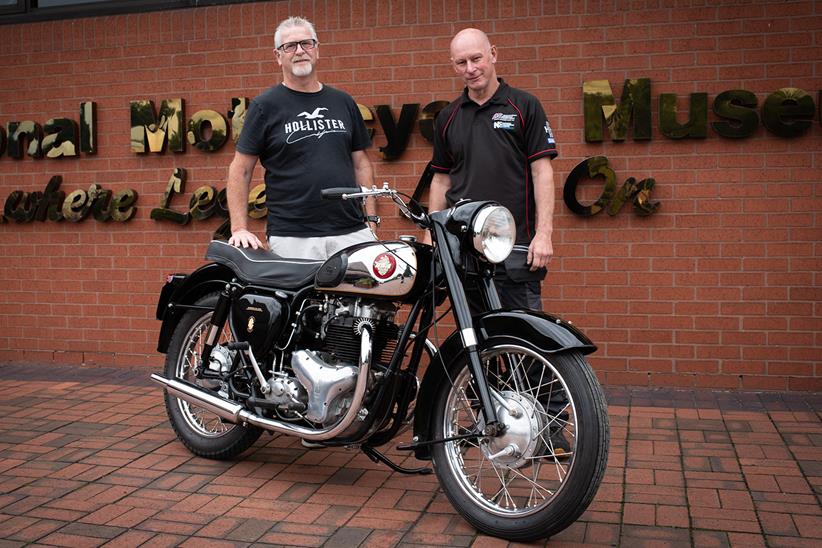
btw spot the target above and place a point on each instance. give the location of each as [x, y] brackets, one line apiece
[376, 456]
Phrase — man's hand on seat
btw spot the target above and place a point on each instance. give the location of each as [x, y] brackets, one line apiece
[244, 238]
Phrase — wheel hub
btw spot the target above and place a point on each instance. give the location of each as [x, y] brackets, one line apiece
[220, 362]
[521, 440]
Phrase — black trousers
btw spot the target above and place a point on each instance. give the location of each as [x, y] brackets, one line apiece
[518, 287]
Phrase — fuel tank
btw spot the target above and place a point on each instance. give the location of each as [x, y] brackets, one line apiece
[376, 269]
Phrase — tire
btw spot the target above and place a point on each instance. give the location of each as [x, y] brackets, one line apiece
[202, 432]
[534, 489]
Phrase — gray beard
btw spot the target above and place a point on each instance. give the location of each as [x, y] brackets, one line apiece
[303, 69]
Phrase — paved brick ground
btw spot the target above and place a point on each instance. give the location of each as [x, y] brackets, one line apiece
[88, 459]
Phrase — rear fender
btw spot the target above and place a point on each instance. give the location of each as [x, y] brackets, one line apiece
[542, 332]
[187, 290]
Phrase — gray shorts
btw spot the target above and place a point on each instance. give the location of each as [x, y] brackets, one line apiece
[317, 247]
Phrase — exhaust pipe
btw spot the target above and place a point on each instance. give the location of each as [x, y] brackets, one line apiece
[236, 413]
[193, 394]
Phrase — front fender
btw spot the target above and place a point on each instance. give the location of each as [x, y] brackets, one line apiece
[206, 279]
[544, 333]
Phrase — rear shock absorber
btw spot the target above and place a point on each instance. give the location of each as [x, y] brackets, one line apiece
[218, 319]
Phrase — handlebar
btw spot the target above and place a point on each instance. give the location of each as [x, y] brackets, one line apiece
[340, 193]
[347, 193]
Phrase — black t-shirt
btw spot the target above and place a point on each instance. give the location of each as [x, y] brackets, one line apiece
[304, 142]
[487, 150]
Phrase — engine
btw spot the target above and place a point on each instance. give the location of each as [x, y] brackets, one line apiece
[324, 368]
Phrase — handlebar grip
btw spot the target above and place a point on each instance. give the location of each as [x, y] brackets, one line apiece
[336, 193]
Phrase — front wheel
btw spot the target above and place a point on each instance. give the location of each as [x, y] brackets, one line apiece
[541, 474]
[202, 432]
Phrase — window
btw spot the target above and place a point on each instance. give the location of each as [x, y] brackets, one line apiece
[10, 6]
[22, 11]
[53, 3]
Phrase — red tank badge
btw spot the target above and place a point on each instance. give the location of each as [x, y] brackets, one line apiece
[384, 266]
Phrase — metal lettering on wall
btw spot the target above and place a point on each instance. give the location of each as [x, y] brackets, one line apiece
[57, 138]
[176, 184]
[61, 138]
[20, 133]
[239, 107]
[146, 128]
[206, 122]
[611, 199]
[697, 124]
[396, 134]
[54, 205]
[599, 103]
[735, 107]
[788, 112]
[88, 130]
[205, 202]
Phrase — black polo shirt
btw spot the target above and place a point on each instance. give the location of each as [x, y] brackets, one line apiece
[487, 150]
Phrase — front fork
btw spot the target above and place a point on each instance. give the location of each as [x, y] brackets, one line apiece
[465, 325]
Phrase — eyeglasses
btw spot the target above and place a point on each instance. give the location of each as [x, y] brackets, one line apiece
[291, 47]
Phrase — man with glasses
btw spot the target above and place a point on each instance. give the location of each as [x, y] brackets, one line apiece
[308, 136]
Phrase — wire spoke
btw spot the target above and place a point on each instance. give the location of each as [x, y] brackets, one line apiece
[527, 479]
[503, 487]
[202, 421]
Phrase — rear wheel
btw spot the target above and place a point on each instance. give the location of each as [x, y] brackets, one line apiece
[541, 474]
[202, 432]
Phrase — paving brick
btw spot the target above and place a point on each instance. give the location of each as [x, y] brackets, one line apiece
[746, 539]
[791, 484]
[196, 541]
[172, 527]
[639, 514]
[676, 477]
[634, 535]
[708, 498]
[249, 530]
[292, 539]
[777, 524]
[431, 539]
[133, 517]
[299, 492]
[809, 526]
[130, 538]
[92, 530]
[730, 524]
[672, 516]
[337, 515]
[600, 533]
[30, 533]
[414, 501]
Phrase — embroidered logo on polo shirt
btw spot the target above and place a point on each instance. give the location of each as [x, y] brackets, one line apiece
[504, 121]
[549, 134]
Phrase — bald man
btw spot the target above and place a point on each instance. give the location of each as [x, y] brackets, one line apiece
[494, 142]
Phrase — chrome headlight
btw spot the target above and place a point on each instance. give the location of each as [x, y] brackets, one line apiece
[494, 231]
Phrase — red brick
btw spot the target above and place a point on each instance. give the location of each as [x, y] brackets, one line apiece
[727, 217]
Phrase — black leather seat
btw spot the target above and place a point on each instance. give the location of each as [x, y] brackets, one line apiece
[261, 267]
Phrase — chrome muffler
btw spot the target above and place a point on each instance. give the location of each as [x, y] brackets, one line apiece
[236, 413]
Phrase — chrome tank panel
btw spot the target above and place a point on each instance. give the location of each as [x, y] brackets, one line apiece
[379, 269]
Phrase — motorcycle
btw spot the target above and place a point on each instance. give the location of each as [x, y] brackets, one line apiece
[507, 410]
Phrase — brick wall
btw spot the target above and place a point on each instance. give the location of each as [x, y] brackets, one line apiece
[720, 288]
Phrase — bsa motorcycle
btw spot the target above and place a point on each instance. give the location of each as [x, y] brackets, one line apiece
[507, 409]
